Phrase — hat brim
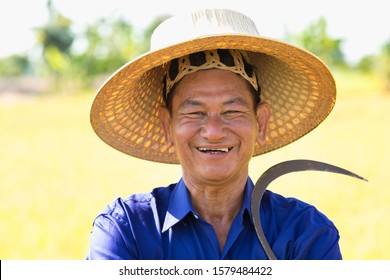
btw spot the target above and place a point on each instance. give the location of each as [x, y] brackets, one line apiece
[296, 84]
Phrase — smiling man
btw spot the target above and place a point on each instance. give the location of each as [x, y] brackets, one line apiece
[210, 103]
[214, 123]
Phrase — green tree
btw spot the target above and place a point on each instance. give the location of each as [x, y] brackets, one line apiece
[15, 65]
[55, 39]
[384, 63]
[367, 63]
[109, 44]
[317, 40]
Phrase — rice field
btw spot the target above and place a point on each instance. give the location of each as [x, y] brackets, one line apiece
[56, 174]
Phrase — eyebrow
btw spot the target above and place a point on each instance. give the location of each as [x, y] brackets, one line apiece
[235, 100]
[238, 99]
[191, 102]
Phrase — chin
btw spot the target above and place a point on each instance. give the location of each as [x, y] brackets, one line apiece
[217, 173]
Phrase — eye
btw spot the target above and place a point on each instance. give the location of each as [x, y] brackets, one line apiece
[195, 114]
[233, 113]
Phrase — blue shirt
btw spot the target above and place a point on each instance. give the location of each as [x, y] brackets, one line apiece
[164, 225]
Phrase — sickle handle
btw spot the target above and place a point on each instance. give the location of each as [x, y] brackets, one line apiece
[276, 171]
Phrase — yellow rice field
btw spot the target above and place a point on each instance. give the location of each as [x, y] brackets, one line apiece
[56, 175]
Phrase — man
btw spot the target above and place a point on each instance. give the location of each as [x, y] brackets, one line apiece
[210, 95]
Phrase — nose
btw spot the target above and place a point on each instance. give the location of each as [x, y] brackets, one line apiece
[213, 129]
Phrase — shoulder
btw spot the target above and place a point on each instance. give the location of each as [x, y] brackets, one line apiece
[299, 230]
[119, 227]
[138, 204]
[292, 209]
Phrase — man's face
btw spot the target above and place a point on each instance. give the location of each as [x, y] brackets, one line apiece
[214, 125]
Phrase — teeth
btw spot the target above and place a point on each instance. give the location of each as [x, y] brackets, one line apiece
[224, 150]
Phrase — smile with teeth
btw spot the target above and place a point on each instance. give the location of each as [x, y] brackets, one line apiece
[214, 150]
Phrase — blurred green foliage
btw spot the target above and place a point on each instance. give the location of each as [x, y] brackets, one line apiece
[106, 44]
[98, 49]
[15, 65]
[384, 65]
[315, 38]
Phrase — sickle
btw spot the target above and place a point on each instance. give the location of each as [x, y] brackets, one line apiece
[276, 171]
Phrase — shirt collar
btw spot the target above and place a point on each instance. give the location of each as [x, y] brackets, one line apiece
[180, 204]
[246, 203]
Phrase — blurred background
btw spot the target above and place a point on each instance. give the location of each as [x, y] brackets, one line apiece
[56, 175]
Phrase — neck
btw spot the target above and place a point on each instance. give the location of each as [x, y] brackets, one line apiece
[218, 205]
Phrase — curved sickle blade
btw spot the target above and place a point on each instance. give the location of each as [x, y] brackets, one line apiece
[276, 171]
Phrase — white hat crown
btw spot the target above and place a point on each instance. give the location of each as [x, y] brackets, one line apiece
[201, 24]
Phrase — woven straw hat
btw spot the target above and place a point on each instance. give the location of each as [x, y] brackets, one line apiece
[299, 88]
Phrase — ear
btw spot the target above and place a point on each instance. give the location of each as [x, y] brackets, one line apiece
[263, 113]
[165, 121]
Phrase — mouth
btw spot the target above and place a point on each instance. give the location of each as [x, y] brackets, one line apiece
[214, 150]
